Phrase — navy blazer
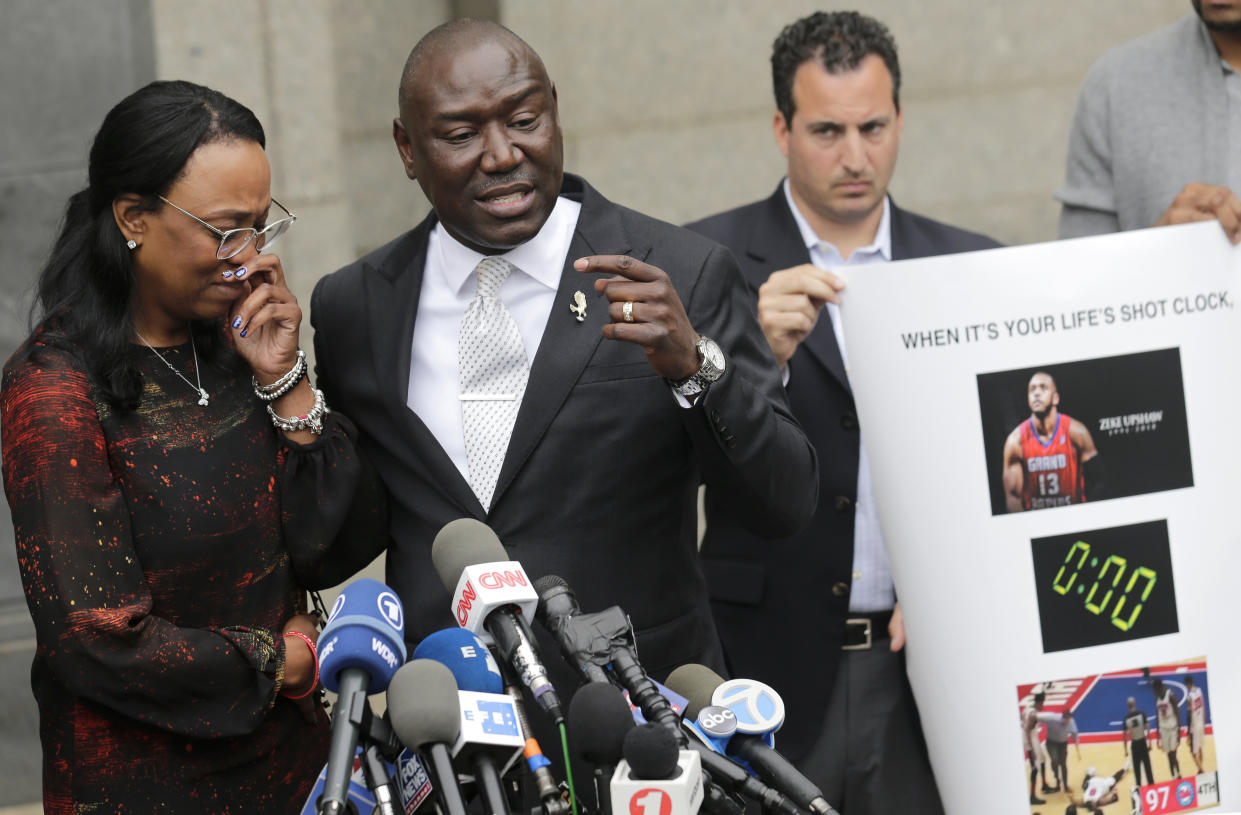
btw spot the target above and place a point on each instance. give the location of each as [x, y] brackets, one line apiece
[780, 602]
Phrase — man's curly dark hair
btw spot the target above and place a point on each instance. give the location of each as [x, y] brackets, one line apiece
[839, 40]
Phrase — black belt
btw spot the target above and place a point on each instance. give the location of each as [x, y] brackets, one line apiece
[864, 629]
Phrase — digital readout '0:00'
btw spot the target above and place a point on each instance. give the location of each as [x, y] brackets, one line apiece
[1140, 573]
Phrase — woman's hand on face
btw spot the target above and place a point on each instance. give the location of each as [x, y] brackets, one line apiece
[267, 321]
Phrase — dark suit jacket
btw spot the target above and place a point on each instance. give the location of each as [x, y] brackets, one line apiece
[599, 482]
[780, 602]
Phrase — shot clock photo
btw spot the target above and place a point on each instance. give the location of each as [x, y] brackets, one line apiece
[1138, 741]
[1104, 585]
[1070, 432]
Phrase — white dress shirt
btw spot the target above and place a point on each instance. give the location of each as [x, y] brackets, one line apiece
[449, 283]
[872, 588]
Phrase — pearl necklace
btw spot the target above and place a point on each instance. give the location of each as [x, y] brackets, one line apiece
[202, 394]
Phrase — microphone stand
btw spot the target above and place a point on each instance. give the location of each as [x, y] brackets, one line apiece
[379, 745]
[378, 779]
[606, 638]
[554, 803]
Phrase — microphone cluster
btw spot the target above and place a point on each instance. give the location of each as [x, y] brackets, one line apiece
[456, 729]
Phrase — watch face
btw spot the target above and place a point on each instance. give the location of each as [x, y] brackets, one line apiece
[712, 355]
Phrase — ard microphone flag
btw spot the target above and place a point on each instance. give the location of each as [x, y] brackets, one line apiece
[366, 630]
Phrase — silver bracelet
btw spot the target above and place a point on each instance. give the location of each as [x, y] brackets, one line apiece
[286, 383]
[312, 421]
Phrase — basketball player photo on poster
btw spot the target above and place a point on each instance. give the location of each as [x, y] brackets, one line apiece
[1089, 430]
[1134, 742]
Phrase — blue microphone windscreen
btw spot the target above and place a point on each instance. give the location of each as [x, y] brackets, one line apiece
[365, 630]
[466, 656]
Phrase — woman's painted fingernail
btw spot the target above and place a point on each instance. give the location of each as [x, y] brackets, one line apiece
[227, 274]
[243, 331]
[240, 273]
[237, 323]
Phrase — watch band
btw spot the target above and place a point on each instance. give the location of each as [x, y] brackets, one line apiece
[707, 372]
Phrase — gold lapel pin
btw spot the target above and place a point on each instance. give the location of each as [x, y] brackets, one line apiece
[579, 306]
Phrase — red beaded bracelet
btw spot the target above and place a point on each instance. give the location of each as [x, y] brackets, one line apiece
[314, 652]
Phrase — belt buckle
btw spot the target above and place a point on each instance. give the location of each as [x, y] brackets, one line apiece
[865, 646]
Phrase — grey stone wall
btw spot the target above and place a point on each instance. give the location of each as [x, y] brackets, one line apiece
[63, 64]
[667, 106]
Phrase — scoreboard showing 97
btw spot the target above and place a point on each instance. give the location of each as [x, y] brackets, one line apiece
[1104, 586]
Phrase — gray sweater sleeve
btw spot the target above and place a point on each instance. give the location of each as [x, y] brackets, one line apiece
[1152, 117]
[1088, 196]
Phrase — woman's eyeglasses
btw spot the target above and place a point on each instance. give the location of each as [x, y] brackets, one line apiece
[234, 241]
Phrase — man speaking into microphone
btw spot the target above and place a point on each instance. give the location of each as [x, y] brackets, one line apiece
[562, 368]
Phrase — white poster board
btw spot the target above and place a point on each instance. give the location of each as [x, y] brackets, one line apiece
[1123, 575]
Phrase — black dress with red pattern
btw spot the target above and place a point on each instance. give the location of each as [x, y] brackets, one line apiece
[161, 550]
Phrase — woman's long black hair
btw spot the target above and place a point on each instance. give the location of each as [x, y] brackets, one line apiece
[142, 147]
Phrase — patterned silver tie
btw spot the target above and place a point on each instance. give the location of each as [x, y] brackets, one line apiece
[493, 375]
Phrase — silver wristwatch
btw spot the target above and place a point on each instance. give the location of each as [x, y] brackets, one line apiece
[711, 367]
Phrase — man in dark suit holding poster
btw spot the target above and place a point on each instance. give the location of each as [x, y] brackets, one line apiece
[852, 725]
[564, 369]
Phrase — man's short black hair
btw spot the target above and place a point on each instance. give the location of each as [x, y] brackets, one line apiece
[839, 40]
[451, 35]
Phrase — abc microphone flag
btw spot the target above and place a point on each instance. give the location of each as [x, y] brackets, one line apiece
[740, 717]
[758, 708]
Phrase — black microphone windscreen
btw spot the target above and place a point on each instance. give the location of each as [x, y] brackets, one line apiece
[549, 581]
[599, 718]
[652, 751]
[464, 542]
[556, 601]
[696, 683]
[423, 704]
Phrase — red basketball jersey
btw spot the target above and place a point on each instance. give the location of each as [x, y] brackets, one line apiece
[1053, 475]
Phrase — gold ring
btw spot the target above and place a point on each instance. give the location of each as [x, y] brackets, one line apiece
[627, 311]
